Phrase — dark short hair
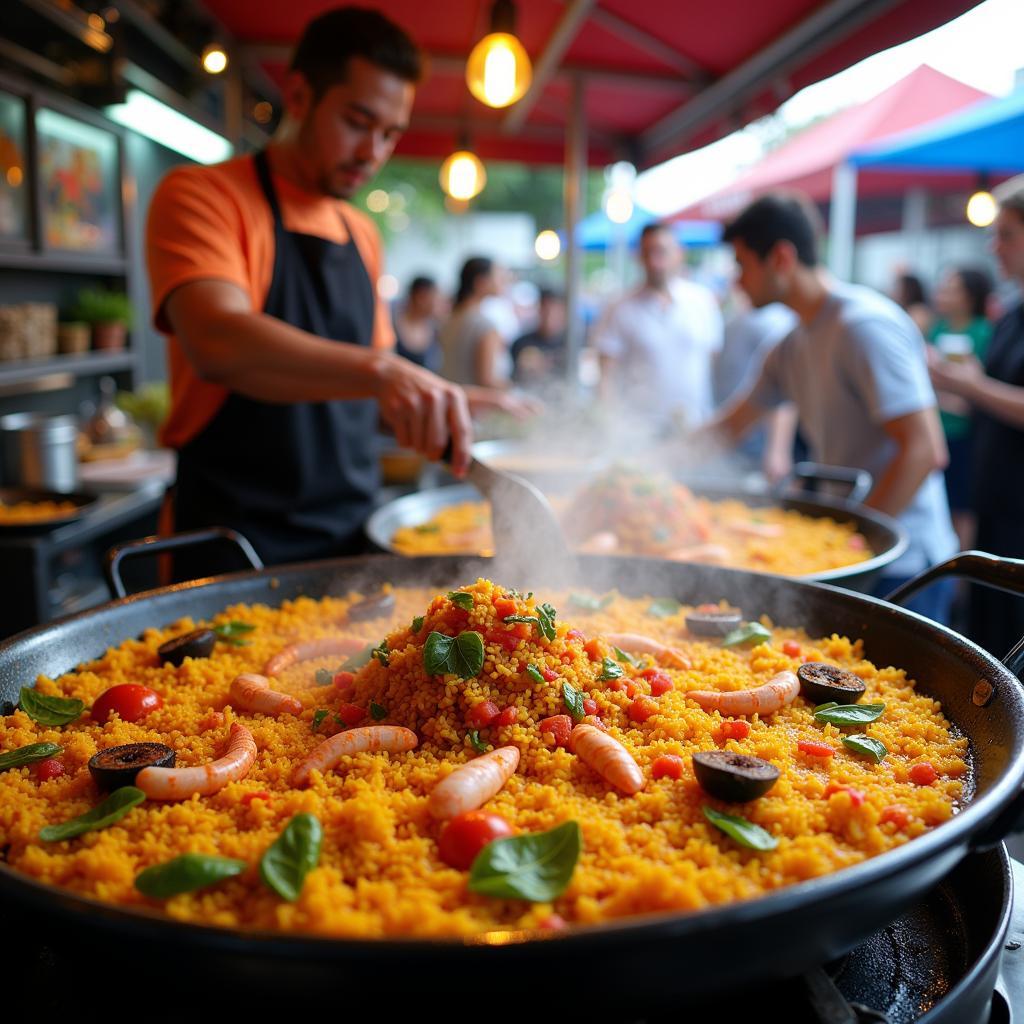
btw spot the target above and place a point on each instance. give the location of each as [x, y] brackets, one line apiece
[472, 270]
[549, 295]
[654, 228]
[978, 285]
[778, 217]
[1010, 195]
[421, 284]
[911, 290]
[329, 41]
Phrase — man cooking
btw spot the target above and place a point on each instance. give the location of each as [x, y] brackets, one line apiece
[264, 278]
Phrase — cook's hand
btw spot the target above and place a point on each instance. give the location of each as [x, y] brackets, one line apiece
[515, 403]
[958, 377]
[425, 411]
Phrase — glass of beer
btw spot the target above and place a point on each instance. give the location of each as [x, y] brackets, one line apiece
[955, 347]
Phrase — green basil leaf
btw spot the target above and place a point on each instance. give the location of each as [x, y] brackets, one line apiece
[428, 528]
[546, 614]
[535, 674]
[323, 677]
[233, 632]
[610, 670]
[749, 633]
[627, 659]
[378, 712]
[536, 867]
[417, 624]
[114, 808]
[746, 833]
[381, 653]
[49, 710]
[461, 655]
[573, 701]
[292, 855]
[318, 717]
[589, 604]
[357, 661]
[475, 742]
[186, 873]
[462, 599]
[28, 755]
[823, 707]
[861, 744]
[849, 714]
[664, 608]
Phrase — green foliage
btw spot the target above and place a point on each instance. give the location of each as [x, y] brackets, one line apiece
[96, 306]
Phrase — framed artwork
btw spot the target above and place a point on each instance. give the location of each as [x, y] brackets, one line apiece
[79, 180]
[15, 177]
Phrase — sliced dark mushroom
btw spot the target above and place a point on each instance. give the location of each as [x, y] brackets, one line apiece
[711, 620]
[376, 606]
[117, 766]
[736, 778]
[821, 683]
[197, 644]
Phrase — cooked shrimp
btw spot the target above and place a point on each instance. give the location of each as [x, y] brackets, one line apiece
[635, 644]
[751, 528]
[250, 692]
[320, 648]
[608, 757]
[474, 783]
[395, 739]
[204, 779]
[766, 699]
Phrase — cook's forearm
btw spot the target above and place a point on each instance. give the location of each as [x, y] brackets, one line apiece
[264, 358]
[1003, 401]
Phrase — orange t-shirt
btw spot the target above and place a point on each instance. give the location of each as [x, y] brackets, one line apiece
[215, 223]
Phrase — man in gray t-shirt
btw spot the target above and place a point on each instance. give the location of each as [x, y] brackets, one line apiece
[855, 368]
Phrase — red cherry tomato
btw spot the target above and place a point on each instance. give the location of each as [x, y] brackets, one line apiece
[589, 706]
[641, 709]
[897, 814]
[508, 716]
[815, 749]
[482, 715]
[668, 765]
[351, 714]
[51, 768]
[550, 675]
[660, 682]
[791, 647]
[559, 726]
[467, 834]
[735, 730]
[130, 700]
[923, 774]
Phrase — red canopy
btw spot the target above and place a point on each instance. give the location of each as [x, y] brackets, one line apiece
[807, 161]
[660, 78]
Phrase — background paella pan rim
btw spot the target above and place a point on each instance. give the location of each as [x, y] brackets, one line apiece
[937, 851]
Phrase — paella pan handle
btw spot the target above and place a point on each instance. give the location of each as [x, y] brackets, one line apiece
[157, 545]
[860, 480]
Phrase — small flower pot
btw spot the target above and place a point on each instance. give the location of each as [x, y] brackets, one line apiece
[73, 338]
[108, 337]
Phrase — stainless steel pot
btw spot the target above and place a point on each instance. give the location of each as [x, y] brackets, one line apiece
[40, 451]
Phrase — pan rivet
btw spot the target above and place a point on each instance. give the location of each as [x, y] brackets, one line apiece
[983, 693]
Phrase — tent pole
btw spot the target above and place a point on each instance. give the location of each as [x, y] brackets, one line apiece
[575, 199]
[842, 221]
[915, 223]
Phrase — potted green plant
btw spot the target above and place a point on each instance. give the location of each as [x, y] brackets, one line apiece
[109, 313]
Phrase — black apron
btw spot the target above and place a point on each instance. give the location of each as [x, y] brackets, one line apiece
[297, 479]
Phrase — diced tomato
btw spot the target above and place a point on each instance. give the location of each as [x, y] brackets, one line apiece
[815, 749]
[51, 768]
[923, 774]
[553, 923]
[620, 685]
[504, 606]
[660, 681]
[593, 649]
[344, 680]
[791, 648]
[261, 795]
[130, 700]
[482, 715]
[559, 726]
[508, 716]
[641, 709]
[575, 634]
[467, 834]
[589, 706]
[735, 730]
[503, 637]
[351, 714]
[549, 674]
[856, 796]
[897, 814]
[667, 766]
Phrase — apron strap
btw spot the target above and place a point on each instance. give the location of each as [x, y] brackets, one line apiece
[262, 165]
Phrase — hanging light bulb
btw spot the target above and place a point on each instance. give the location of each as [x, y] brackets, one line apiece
[498, 71]
[618, 205]
[463, 175]
[981, 209]
[547, 245]
[215, 59]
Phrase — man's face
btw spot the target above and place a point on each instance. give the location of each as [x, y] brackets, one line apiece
[551, 317]
[349, 133]
[756, 276]
[1008, 243]
[660, 256]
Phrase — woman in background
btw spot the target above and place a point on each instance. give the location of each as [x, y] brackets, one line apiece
[416, 324]
[909, 293]
[474, 352]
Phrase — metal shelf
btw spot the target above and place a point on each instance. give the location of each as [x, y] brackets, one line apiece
[63, 262]
[89, 364]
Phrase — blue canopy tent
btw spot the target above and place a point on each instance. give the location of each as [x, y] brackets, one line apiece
[987, 137]
[597, 232]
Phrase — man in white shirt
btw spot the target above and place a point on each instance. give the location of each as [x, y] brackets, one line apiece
[656, 344]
